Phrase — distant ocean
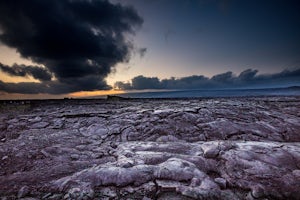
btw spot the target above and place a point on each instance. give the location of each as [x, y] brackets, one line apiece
[290, 91]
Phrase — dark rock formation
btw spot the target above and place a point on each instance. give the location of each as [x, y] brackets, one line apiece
[115, 98]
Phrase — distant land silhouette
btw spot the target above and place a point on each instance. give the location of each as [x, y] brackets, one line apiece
[284, 91]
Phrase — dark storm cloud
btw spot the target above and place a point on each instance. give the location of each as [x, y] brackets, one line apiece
[191, 82]
[53, 87]
[224, 78]
[25, 88]
[78, 41]
[141, 82]
[36, 72]
[245, 79]
[247, 75]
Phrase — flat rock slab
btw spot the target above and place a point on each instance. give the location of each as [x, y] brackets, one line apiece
[221, 148]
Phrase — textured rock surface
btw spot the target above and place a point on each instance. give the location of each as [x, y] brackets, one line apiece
[222, 148]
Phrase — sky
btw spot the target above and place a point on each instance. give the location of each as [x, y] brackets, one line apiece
[78, 48]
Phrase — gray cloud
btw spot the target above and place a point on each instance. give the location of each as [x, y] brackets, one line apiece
[36, 72]
[78, 41]
[122, 85]
[246, 79]
[23, 87]
[142, 52]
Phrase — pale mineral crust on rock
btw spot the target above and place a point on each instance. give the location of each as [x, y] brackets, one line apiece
[213, 148]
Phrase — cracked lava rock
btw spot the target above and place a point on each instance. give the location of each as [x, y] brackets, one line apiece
[212, 148]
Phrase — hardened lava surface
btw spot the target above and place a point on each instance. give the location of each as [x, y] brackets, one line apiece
[213, 148]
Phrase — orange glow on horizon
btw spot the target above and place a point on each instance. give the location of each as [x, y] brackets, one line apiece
[95, 93]
[82, 94]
